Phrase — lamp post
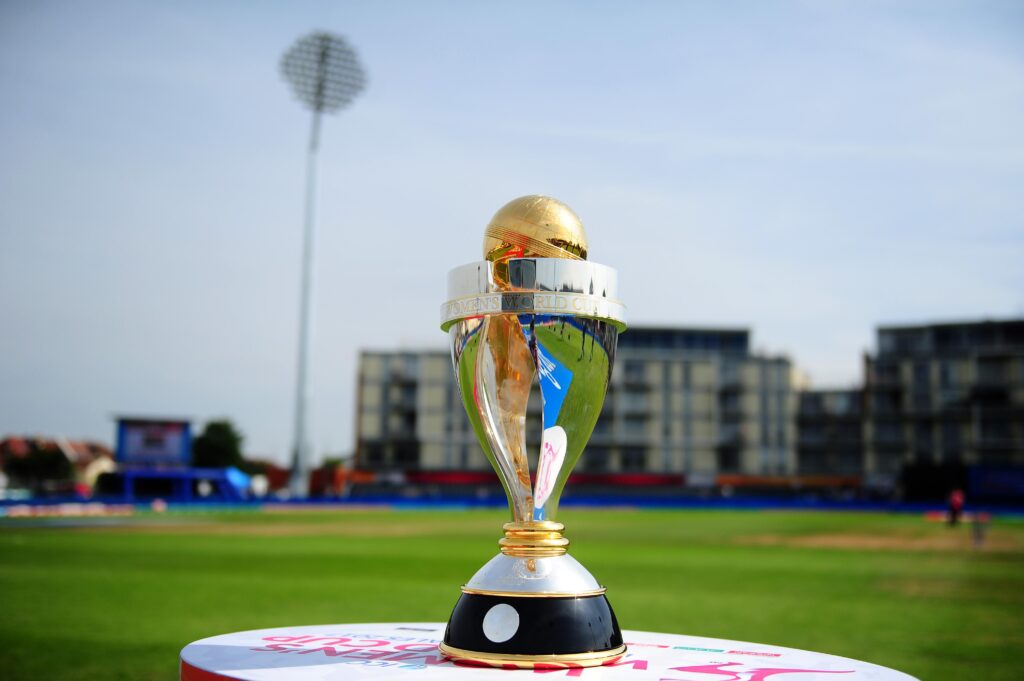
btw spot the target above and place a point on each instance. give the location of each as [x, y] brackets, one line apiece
[325, 75]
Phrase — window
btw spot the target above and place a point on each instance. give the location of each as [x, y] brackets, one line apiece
[812, 434]
[993, 371]
[849, 462]
[810, 404]
[595, 459]
[634, 401]
[728, 460]
[634, 426]
[951, 434]
[633, 371]
[609, 402]
[410, 365]
[912, 341]
[842, 403]
[885, 403]
[729, 433]
[408, 427]
[848, 432]
[888, 432]
[729, 373]
[951, 442]
[923, 437]
[886, 372]
[373, 456]
[633, 459]
[921, 376]
[407, 455]
[951, 398]
[729, 404]
[946, 374]
[995, 431]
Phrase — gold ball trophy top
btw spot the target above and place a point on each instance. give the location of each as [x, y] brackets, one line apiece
[535, 227]
[533, 312]
[532, 227]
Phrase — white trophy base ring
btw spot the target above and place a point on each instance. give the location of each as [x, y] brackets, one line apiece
[391, 652]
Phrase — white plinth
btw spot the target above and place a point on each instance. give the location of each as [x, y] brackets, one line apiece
[385, 652]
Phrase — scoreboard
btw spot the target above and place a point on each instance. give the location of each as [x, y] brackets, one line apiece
[154, 442]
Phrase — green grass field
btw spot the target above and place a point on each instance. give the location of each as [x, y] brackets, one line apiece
[119, 602]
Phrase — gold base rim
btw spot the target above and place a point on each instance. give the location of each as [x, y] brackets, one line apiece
[534, 594]
[588, 659]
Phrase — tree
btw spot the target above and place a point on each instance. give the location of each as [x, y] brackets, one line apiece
[40, 464]
[219, 446]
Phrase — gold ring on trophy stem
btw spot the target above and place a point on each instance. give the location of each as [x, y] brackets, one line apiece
[533, 539]
[532, 552]
[533, 594]
[534, 526]
[589, 659]
[534, 542]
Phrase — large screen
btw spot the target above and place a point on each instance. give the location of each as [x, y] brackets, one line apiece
[154, 442]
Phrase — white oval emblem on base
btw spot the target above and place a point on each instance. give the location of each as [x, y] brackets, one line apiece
[501, 623]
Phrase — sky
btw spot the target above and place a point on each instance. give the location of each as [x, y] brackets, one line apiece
[808, 170]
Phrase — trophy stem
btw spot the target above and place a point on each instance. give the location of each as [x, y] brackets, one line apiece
[533, 539]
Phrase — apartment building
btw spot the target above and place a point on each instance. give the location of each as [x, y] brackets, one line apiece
[694, 402]
[830, 425]
[698, 405]
[945, 394]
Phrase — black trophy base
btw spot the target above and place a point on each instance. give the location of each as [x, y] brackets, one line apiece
[533, 631]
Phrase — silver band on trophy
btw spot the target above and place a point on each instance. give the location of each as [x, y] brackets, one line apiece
[541, 285]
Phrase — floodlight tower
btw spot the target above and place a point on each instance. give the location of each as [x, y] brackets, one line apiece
[325, 75]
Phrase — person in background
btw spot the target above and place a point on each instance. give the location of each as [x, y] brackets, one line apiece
[956, 506]
[978, 527]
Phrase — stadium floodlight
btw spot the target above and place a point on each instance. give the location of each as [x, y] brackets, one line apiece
[325, 75]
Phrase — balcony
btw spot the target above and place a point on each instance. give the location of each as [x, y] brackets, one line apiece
[890, 443]
[889, 435]
[399, 376]
[729, 435]
[732, 413]
[730, 384]
[993, 373]
[887, 376]
[885, 407]
[633, 403]
[402, 434]
[811, 442]
[633, 433]
[404, 403]
[998, 443]
[634, 374]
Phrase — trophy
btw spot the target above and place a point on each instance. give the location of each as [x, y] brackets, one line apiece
[533, 310]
